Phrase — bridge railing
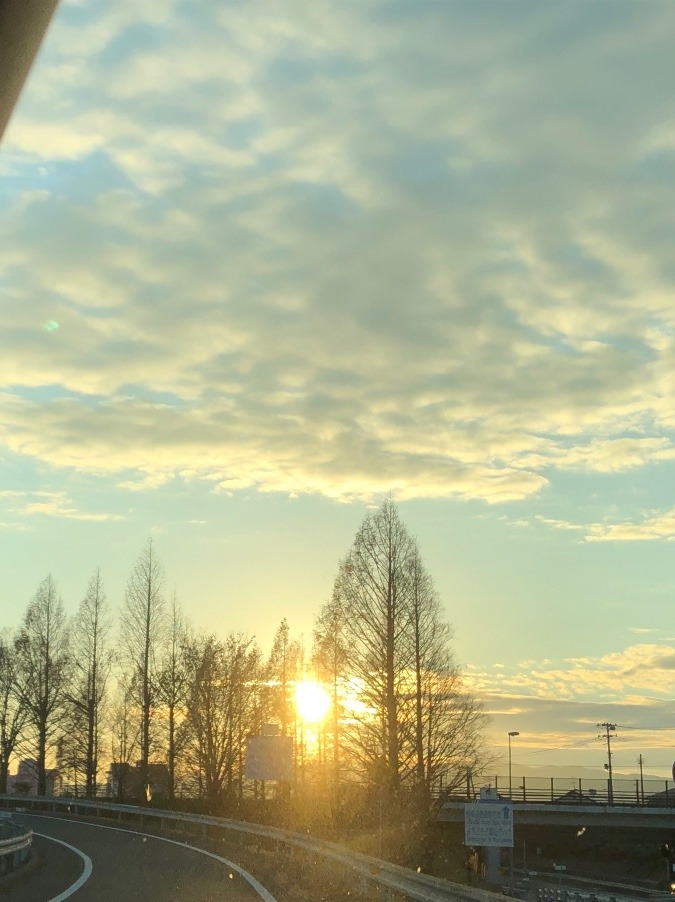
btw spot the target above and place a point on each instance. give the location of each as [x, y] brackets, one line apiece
[366, 870]
[621, 791]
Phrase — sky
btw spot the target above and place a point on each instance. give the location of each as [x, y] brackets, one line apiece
[264, 262]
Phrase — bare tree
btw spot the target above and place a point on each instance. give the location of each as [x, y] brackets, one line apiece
[12, 712]
[142, 625]
[207, 717]
[453, 726]
[91, 665]
[330, 661]
[417, 722]
[373, 586]
[173, 686]
[221, 712]
[125, 731]
[448, 719]
[283, 671]
[41, 647]
[280, 672]
[428, 637]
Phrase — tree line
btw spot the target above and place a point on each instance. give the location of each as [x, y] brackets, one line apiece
[115, 700]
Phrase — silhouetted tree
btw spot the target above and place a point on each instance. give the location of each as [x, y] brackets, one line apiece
[42, 653]
[91, 664]
[124, 745]
[221, 712]
[280, 672]
[373, 588]
[143, 626]
[427, 635]
[173, 687]
[12, 713]
[330, 660]
[417, 721]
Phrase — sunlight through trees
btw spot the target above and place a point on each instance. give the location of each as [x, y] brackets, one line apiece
[141, 707]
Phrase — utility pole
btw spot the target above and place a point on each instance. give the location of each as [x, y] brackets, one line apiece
[642, 782]
[511, 735]
[609, 728]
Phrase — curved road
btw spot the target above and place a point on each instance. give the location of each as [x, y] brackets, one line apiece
[91, 862]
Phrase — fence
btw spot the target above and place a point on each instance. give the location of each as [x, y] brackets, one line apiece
[558, 790]
[367, 871]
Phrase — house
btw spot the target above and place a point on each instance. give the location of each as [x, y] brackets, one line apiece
[25, 780]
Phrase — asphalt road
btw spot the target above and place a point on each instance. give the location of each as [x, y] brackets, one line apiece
[116, 864]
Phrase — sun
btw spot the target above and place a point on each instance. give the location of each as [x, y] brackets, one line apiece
[312, 701]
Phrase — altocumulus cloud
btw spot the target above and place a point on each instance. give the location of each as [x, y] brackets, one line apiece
[557, 704]
[643, 670]
[343, 248]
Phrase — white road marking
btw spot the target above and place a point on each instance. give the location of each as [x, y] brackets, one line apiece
[264, 894]
[84, 876]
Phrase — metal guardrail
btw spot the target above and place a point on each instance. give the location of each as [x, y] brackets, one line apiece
[15, 844]
[367, 870]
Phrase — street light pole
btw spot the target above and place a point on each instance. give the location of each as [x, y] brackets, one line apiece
[511, 734]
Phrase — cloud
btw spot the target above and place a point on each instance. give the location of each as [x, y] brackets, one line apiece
[656, 526]
[557, 705]
[49, 504]
[637, 670]
[558, 524]
[343, 249]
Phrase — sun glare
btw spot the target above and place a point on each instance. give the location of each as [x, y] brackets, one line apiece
[312, 701]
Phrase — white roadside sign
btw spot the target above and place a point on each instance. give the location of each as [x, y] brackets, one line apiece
[488, 824]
